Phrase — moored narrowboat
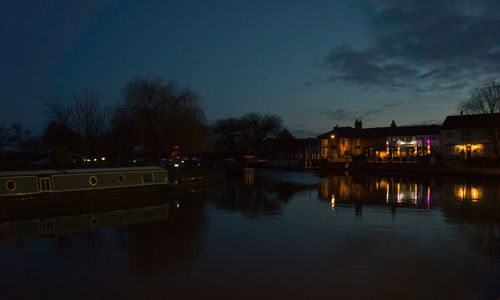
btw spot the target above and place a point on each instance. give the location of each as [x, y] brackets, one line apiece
[26, 183]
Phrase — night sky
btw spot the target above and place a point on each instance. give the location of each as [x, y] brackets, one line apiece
[314, 63]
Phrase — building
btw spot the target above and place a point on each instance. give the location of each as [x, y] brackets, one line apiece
[379, 143]
[410, 142]
[467, 136]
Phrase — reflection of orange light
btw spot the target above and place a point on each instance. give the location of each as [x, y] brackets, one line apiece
[249, 177]
[461, 192]
[333, 202]
[415, 194]
[399, 195]
[476, 194]
[387, 193]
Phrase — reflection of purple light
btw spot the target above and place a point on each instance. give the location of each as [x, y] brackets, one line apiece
[386, 142]
[428, 199]
[428, 142]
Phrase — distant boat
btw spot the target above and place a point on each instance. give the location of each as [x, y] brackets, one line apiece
[33, 182]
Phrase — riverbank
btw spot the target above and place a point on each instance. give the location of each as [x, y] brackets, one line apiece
[448, 170]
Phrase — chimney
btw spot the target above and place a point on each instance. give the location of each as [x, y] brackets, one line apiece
[358, 125]
[393, 124]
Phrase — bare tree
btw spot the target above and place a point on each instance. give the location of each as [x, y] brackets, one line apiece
[485, 100]
[256, 128]
[4, 135]
[163, 115]
[59, 113]
[89, 118]
[60, 130]
[227, 133]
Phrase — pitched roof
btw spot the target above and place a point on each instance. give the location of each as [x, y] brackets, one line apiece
[416, 130]
[383, 131]
[342, 131]
[472, 121]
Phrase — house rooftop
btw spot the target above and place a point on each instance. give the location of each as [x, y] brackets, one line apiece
[472, 121]
[383, 131]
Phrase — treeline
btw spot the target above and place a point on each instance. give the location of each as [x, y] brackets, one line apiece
[253, 134]
[155, 118]
[14, 136]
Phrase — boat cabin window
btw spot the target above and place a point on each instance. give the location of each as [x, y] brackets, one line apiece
[93, 180]
[121, 178]
[147, 178]
[10, 185]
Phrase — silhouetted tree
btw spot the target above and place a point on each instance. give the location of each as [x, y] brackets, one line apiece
[227, 133]
[89, 119]
[163, 116]
[122, 134]
[59, 131]
[4, 135]
[285, 142]
[485, 100]
[258, 127]
[22, 140]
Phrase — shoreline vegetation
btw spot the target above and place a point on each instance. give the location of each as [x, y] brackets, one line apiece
[188, 173]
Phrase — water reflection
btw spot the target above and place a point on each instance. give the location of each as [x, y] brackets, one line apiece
[460, 201]
[401, 192]
[258, 194]
[266, 234]
[58, 225]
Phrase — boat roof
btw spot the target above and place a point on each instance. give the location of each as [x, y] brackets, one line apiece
[75, 171]
[29, 173]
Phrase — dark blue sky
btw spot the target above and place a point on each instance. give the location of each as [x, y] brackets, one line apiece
[315, 63]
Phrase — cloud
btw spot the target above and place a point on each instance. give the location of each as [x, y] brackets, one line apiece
[425, 122]
[304, 133]
[371, 112]
[346, 115]
[421, 46]
[338, 114]
[307, 83]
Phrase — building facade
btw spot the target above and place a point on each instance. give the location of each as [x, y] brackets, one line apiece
[468, 136]
[379, 143]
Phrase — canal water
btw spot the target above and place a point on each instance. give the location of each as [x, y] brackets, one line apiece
[271, 235]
